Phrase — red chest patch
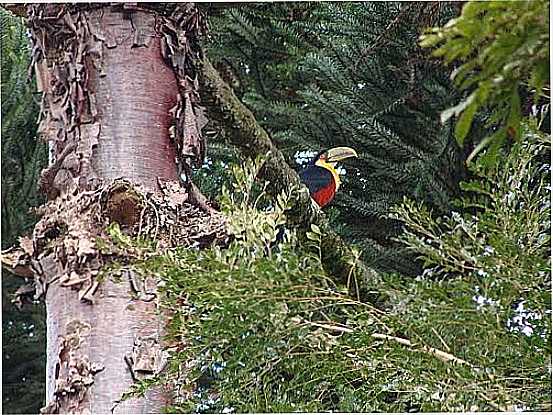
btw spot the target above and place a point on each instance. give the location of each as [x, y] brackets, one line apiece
[325, 195]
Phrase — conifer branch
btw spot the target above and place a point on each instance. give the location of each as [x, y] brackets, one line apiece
[243, 131]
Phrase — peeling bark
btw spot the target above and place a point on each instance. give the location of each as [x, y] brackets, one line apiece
[115, 81]
[243, 131]
[119, 100]
[85, 272]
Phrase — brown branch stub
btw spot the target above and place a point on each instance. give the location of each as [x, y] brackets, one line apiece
[19, 9]
[17, 261]
[243, 131]
[147, 358]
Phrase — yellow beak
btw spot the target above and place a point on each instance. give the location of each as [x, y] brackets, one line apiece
[340, 153]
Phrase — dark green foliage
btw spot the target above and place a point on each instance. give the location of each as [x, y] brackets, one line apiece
[22, 155]
[503, 229]
[500, 246]
[267, 331]
[23, 353]
[500, 49]
[23, 333]
[214, 173]
[319, 75]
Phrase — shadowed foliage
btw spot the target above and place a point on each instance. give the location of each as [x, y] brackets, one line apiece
[23, 332]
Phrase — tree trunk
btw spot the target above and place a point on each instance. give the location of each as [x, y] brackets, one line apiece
[119, 101]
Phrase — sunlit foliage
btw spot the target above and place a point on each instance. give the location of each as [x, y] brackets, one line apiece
[500, 51]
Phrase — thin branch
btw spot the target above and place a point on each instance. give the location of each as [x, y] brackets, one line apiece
[13, 261]
[197, 198]
[440, 354]
[332, 327]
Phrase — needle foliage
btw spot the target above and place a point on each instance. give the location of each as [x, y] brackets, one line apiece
[23, 333]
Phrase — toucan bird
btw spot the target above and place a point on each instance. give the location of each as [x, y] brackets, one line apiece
[321, 177]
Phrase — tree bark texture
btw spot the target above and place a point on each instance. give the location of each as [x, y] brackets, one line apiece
[120, 101]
